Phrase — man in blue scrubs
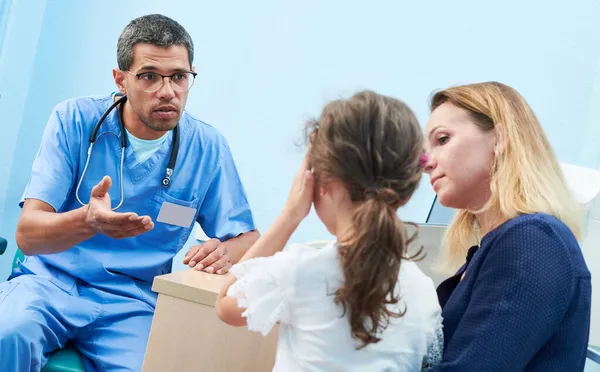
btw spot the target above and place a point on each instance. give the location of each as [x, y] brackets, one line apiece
[89, 269]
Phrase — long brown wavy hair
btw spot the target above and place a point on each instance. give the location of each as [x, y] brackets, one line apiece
[372, 144]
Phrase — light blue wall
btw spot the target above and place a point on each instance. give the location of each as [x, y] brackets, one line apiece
[267, 66]
[20, 24]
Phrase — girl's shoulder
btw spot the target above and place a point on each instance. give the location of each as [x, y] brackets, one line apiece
[315, 259]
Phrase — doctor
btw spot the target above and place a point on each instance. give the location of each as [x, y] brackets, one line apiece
[99, 223]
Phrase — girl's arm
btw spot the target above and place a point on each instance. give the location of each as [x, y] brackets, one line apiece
[297, 207]
[270, 243]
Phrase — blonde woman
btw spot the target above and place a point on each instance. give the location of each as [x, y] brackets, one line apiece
[522, 299]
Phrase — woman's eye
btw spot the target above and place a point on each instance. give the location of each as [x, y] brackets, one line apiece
[443, 139]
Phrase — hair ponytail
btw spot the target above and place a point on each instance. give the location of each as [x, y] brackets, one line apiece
[371, 259]
[372, 144]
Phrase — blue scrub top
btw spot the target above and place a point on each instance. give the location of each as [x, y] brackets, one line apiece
[205, 178]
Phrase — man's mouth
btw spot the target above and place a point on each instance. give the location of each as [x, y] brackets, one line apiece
[166, 109]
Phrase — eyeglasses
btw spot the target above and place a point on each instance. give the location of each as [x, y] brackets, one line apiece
[153, 81]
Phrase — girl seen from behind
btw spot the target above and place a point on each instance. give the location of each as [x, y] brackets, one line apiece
[359, 303]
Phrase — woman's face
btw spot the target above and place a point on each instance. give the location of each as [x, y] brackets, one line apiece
[460, 156]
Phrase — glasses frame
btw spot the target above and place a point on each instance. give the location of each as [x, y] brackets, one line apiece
[139, 74]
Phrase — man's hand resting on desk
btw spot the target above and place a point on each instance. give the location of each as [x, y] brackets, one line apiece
[212, 256]
[116, 225]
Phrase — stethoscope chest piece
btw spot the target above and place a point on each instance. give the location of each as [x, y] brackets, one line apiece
[167, 180]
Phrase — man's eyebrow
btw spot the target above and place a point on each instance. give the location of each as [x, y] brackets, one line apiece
[154, 68]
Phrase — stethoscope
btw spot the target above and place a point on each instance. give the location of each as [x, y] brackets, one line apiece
[166, 181]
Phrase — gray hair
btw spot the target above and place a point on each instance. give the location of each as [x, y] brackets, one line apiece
[153, 29]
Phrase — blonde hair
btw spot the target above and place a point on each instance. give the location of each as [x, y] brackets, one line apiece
[525, 176]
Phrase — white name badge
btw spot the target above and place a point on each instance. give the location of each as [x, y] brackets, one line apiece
[174, 214]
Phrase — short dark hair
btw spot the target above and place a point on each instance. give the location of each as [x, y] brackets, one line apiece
[153, 29]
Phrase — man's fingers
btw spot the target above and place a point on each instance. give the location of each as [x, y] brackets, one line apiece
[212, 259]
[190, 254]
[128, 234]
[102, 187]
[199, 256]
[124, 225]
[225, 269]
[111, 217]
[134, 216]
[203, 251]
[137, 225]
[119, 219]
[125, 232]
[218, 265]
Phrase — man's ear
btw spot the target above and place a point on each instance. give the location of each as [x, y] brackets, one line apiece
[119, 77]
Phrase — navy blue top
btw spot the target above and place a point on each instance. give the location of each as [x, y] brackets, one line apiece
[523, 304]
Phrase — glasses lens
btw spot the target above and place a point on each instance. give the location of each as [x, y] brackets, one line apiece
[150, 81]
[182, 81]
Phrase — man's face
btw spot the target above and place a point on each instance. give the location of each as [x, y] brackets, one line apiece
[159, 110]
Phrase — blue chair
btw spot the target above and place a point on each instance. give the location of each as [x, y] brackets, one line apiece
[64, 360]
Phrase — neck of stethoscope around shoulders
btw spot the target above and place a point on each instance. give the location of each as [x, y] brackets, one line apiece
[166, 181]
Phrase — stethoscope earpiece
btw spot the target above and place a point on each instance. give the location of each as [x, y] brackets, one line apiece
[166, 182]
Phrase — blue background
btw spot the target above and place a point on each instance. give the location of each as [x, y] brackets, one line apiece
[267, 66]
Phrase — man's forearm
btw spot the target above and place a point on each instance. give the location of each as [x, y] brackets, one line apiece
[239, 245]
[42, 232]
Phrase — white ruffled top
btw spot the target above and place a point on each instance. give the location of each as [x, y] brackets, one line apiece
[296, 288]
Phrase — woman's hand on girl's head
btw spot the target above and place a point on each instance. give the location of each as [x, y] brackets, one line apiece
[301, 194]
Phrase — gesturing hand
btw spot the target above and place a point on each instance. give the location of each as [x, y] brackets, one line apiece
[116, 225]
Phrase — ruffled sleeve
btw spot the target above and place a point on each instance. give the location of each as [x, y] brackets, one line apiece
[263, 287]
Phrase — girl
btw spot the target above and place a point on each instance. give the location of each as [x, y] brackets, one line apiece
[360, 303]
[522, 300]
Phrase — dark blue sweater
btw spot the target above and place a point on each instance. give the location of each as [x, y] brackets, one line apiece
[524, 302]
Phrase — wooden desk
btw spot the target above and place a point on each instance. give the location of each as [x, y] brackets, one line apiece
[187, 335]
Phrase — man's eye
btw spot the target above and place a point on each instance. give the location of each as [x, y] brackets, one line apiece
[148, 76]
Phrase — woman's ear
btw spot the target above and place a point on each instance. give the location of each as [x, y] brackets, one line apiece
[500, 143]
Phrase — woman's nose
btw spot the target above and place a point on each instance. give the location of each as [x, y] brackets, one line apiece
[426, 163]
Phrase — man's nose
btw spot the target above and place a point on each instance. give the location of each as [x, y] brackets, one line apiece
[166, 91]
